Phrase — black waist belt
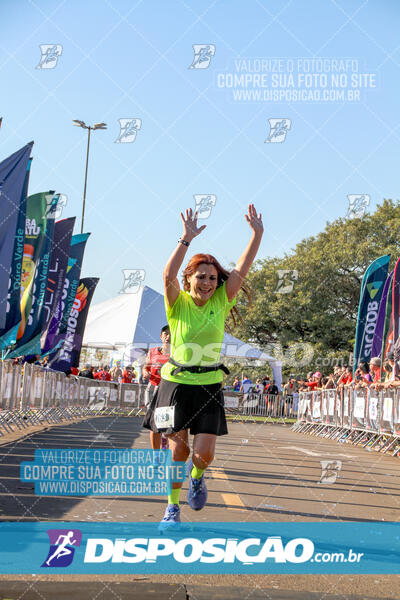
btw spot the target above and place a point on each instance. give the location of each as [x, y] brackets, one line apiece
[197, 369]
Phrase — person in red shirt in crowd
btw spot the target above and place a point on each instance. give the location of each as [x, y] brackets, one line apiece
[105, 374]
[346, 377]
[156, 358]
[97, 373]
[127, 375]
[315, 381]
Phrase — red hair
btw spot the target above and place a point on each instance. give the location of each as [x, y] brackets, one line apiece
[223, 274]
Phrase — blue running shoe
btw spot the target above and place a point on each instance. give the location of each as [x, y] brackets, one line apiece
[197, 494]
[172, 518]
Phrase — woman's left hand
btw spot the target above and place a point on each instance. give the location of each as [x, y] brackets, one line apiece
[253, 220]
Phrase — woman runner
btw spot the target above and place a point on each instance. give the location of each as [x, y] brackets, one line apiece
[191, 380]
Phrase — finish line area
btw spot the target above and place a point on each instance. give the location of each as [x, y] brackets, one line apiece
[262, 472]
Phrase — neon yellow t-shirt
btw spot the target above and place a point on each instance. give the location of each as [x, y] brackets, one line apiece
[197, 333]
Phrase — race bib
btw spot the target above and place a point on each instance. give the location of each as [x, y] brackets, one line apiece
[164, 417]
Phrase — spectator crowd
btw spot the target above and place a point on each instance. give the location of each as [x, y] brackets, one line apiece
[367, 375]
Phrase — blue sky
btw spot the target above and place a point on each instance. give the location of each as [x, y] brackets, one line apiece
[127, 59]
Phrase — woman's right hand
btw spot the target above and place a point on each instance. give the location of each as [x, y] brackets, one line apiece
[190, 229]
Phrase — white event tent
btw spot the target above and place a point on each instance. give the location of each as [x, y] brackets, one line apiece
[131, 322]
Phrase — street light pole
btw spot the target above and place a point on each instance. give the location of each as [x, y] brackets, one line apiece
[86, 170]
[89, 128]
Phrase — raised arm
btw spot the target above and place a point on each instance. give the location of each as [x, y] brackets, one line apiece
[236, 277]
[171, 269]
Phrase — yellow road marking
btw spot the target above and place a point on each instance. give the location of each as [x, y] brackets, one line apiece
[233, 501]
[218, 474]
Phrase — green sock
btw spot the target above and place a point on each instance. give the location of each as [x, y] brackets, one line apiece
[196, 473]
[173, 497]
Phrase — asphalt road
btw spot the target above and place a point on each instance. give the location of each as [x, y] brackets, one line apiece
[262, 472]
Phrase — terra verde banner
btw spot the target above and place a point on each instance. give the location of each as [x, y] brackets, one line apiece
[12, 177]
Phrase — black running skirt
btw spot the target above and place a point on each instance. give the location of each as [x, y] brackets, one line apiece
[199, 408]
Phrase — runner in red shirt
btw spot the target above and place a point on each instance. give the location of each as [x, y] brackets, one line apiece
[156, 358]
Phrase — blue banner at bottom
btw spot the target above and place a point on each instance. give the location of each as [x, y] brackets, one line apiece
[200, 548]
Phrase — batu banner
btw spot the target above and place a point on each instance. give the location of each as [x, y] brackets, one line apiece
[41, 210]
[8, 336]
[370, 299]
[380, 322]
[12, 181]
[70, 351]
[59, 322]
[64, 548]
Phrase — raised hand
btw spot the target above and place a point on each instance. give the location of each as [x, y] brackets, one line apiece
[190, 229]
[254, 221]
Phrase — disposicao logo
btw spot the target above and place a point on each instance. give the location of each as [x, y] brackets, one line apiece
[62, 547]
[192, 550]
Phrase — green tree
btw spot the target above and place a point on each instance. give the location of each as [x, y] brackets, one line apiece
[321, 311]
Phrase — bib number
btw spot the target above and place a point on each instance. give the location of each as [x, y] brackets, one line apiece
[164, 417]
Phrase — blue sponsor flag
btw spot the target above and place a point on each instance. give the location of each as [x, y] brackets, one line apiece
[8, 336]
[370, 298]
[12, 181]
[59, 322]
[70, 351]
[58, 265]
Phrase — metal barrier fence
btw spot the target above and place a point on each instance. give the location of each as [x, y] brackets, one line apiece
[31, 395]
[260, 407]
[358, 416]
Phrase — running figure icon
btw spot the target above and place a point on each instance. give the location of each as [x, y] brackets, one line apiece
[63, 543]
[62, 549]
